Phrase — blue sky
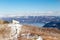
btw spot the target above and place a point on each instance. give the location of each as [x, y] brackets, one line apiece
[30, 7]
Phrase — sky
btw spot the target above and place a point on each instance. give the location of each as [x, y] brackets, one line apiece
[30, 7]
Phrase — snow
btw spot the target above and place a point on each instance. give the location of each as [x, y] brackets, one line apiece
[39, 38]
[15, 29]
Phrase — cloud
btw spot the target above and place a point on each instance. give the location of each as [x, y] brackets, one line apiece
[31, 13]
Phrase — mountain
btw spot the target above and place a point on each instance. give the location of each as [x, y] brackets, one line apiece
[52, 24]
[33, 19]
[33, 32]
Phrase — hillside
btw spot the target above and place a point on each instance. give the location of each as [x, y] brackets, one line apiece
[3, 22]
[45, 33]
[34, 32]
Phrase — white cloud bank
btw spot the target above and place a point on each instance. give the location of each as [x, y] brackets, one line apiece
[35, 13]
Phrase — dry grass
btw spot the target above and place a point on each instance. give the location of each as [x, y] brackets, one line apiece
[46, 33]
[4, 32]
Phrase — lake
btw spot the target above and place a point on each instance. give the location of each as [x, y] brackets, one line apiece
[34, 24]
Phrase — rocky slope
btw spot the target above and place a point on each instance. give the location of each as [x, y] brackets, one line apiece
[32, 31]
[45, 33]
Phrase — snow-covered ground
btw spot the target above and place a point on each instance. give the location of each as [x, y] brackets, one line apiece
[15, 29]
